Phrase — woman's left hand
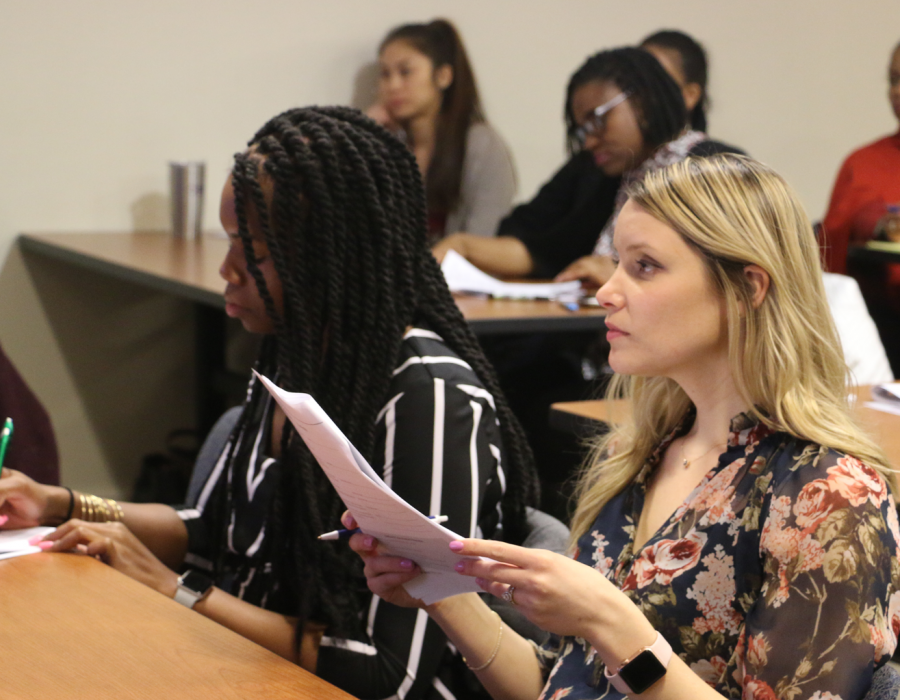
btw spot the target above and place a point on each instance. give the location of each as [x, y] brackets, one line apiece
[592, 270]
[116, 545]
[556, 593]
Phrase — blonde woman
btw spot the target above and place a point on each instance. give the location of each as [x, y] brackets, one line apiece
[726, 543]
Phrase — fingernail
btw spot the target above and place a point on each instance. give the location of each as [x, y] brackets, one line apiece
[45, 545]
[369, 542]
[406, 564]
[3, 519]
[459, 566]
[456, 546]
[479, 582]
[34, 541]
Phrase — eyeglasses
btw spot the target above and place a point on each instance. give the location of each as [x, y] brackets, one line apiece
[596, 122]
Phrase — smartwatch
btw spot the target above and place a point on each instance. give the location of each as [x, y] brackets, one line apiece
[192, 586]
[642, 670]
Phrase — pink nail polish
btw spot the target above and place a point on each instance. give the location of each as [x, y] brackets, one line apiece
[406, 564]
[34, 541]
[369, 542]
[45, 545]
[459, 566]
[456, 546]
[3, 519]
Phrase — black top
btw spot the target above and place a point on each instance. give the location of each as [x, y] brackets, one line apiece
[438, 446]
[563, 221]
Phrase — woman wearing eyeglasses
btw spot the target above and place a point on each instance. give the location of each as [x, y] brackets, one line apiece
[625, 116]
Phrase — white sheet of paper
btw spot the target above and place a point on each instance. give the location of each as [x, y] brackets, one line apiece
[463, 276]
[14, 543]
[884, 406]
[379, 511]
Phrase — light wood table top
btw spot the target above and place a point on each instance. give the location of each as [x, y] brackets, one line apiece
[578, 416]
[190, 269]
[75, 628]
[875, 251]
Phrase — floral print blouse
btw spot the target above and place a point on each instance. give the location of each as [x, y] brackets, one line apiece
[778, 576]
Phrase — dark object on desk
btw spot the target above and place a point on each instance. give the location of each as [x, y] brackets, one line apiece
[33, 451]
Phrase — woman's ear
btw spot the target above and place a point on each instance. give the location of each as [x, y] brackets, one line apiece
[443, 76]
[692, 92]
[759, 283]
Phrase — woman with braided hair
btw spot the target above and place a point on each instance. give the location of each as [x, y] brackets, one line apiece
[328, 260]
[624, 115]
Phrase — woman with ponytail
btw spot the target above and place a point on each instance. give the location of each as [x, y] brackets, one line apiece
[429, 98]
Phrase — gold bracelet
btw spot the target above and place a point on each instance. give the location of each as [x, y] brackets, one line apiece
[116, 514]
[493, 653]
[94, 509]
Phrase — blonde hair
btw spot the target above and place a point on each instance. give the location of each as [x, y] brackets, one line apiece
[784, 354]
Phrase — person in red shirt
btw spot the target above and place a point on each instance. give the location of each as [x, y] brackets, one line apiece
[865, 204]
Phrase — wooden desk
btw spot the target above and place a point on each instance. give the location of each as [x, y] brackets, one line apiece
[75, 628]
[875, 251]
[190, 269]
[582, 417]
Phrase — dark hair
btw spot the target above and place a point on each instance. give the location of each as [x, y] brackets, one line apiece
[460, 108]
[344, 221]
[652, 92]
[694, 66]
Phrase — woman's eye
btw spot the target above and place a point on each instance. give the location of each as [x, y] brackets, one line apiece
[644, 267]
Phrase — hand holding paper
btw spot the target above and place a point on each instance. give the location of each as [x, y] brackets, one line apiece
[380, 512]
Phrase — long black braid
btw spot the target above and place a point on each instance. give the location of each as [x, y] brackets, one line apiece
[341, 205]
[655, 95]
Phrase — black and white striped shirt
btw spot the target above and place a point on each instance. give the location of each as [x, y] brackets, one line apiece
[438, 446]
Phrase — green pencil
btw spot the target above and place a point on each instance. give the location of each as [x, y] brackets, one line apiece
[5, 435]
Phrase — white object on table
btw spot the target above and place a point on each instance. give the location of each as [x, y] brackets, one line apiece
[379, 512]
[14, 543]
[463, 276]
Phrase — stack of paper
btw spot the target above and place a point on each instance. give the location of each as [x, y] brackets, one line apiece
[463, 276]
[14, 543]
[380, 512]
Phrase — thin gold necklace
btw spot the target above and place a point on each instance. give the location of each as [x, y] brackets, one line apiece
[685, 462]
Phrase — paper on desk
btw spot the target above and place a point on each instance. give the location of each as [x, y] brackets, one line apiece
[887, 398]
[887, 392]
[379, 511]
[14, 543]
[463, 276]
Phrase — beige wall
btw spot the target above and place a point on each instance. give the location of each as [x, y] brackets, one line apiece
[98, 94]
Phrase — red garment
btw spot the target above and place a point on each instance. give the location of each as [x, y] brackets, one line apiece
[867, 182]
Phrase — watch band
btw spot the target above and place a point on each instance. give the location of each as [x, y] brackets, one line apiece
[188, 592]
[637, 673]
